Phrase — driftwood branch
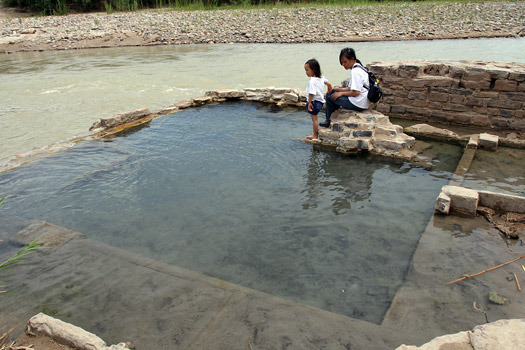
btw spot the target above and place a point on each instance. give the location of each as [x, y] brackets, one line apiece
[479, 273]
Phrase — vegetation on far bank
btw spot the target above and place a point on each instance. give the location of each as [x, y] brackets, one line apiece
[62, 7]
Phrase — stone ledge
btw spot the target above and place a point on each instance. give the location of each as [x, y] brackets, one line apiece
[462, 201]
[68, 334]
[466, 202]
[498, 335]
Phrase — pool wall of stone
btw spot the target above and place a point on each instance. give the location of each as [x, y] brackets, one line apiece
[479, 93]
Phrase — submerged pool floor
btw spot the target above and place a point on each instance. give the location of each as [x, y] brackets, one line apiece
[227, 191]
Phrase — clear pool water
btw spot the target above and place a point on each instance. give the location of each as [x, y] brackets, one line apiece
[228, 191]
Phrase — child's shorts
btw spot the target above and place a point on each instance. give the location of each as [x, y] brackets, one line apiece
[318, 105]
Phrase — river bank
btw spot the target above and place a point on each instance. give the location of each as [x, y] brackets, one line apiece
[379, 22]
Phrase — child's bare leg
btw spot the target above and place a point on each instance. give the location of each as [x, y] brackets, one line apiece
[314, 135]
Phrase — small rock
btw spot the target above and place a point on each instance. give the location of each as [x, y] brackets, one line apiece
[495, 298]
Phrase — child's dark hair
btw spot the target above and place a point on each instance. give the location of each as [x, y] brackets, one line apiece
[349, 53]
[314, 66]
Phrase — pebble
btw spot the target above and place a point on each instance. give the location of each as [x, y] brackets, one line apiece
[388, 21]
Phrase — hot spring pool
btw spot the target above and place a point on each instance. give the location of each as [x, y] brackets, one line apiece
[227, 190]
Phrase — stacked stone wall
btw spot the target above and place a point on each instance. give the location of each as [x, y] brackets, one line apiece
[485, 94]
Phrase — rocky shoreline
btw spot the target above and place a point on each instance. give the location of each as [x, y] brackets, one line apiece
[391, 21]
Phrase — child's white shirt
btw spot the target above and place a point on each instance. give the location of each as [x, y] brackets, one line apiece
[316, 88]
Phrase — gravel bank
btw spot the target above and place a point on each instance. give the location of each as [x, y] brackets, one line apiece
[404, 21]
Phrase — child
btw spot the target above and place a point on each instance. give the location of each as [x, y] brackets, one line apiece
[315, 93]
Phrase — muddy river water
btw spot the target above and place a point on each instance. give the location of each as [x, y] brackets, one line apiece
[50, 96]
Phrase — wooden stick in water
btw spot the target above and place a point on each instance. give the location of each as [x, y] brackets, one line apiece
[517, 282]
[479, 273]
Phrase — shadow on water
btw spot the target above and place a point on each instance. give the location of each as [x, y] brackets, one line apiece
[227, 191]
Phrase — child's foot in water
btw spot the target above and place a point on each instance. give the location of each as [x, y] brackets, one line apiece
[312, 137]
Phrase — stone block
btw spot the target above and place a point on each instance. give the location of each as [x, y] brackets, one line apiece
[328, 135]
[442, 204]
[488, 141]
[417, 96]
[291, 97]
[501, 122]
[502, 203]
[279, 91]
[505, 85]
[124, 118]
[517, 124]
[502, 334]
[338, 127]
[463, 118]
[350, 145]
[476, 84]
[203, 100]
[230, 93]
[498, 73]
[476, 74]
[352, 125]
[256, 96]
[458, 99]
[415, 83]
[463, 201]
[515, 96]
[517, 76]
[389, 144]
[388, 131]
[383, 108]
[501, 103]
[389, 100]
[362, 133]
[462, 92]
[420, 103]
[455, 107]
[168, 110]
[68, 334]
[408, 71]
[389, 79]
[506, 113]
[486, 94]
[475, 101]
[397, 109]
[442, 116]
[183, 104]
[455, 72]
[480, 120]
[473, 141]
[438, 96]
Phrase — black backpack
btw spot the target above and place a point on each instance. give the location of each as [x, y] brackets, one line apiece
[374, 90]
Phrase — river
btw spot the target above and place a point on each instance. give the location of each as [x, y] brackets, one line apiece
[52, 96]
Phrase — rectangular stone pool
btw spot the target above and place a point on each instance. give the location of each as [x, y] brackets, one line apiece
[226, 190]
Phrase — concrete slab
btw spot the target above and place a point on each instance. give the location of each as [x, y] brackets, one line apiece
[463, 201]
[488, 141]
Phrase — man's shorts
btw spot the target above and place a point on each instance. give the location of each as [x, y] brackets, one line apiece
[318, 105]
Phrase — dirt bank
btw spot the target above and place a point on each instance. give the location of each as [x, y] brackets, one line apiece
[404, 21]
